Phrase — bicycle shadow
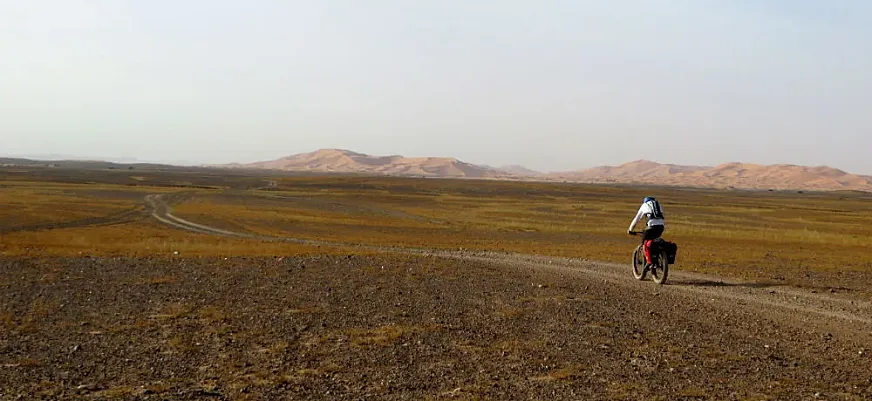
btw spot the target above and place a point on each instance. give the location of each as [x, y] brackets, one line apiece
[717, 283]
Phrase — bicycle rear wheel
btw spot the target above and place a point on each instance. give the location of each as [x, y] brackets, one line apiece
[661, 268]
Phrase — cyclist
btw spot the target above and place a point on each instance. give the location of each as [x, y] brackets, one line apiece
[653, 212]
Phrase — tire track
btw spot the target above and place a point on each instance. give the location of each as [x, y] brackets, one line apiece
[792, 305]
[162, 212]
[120, 217]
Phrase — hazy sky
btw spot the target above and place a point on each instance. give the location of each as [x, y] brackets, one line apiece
[553, 85]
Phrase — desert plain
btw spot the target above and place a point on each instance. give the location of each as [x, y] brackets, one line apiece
[158, 283]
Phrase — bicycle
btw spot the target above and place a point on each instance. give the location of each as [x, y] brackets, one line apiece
[659, 267]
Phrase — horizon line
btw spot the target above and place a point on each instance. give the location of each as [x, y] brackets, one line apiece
[181, 163]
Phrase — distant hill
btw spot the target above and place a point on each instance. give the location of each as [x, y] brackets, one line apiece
[346, 161]
[83, 164]
[633, 171]
[519, 171]
[728, 175]
[735, 175]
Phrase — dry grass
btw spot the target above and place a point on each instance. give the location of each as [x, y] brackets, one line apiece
[742, 234]
[144, 238]
[694, 393]
[745, 234]
[160, 280]
[172, 311]
[7, 320]
[119, 392]
[32, 205]
[382, 336]
[29, 204]
[562, 374]
[24, 363]
[212, 314]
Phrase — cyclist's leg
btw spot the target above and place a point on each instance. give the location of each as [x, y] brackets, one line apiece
[651, 233]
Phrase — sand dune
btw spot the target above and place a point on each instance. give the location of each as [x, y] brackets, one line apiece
[728, 175]
[636, 170]
[345, 161]
[736, 175]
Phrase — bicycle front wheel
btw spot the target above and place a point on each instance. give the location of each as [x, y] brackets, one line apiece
[639, 271]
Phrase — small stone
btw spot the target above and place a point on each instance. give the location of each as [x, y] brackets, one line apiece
[88, 387]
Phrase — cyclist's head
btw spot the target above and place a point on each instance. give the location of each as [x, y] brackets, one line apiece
[647, 199]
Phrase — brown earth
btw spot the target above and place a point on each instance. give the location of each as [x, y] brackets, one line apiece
[411, 327]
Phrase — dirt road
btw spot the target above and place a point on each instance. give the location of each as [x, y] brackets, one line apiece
[800, 307]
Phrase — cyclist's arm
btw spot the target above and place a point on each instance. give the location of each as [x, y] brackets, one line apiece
[637, 218]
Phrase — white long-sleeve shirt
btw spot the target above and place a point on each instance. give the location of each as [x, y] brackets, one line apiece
[647, 209]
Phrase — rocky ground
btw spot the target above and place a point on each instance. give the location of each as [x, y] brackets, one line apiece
[398, 326]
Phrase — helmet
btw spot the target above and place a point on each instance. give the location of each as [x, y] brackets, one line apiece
[647, 199]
